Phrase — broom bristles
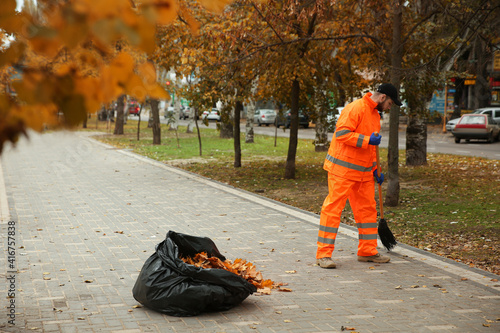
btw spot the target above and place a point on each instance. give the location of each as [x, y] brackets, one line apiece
[386, 236]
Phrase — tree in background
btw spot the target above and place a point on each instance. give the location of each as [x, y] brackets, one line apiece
[76, 67]
[297, 53]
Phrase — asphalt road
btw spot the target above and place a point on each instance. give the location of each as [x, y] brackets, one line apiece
[437, 142]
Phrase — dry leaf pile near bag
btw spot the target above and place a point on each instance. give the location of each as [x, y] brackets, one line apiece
[240, 267]
[188, 287]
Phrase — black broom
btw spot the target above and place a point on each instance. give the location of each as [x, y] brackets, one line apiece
[385, 234]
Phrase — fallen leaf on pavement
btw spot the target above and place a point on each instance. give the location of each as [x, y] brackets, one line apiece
[264, 291]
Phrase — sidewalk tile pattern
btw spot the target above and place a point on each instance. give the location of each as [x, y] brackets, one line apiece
[88, 216]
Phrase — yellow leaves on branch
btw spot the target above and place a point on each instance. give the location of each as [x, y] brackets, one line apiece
[161, 11]
[240, 267]
[215, 5]
[72, 60]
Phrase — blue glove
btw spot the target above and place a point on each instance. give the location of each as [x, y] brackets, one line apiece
[375, 140]
[380, 179]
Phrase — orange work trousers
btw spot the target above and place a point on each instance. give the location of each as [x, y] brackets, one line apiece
[361, 197]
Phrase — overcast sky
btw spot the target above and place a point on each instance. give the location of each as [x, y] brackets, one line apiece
[19, 4]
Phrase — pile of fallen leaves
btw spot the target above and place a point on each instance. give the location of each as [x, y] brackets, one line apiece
[240, 267]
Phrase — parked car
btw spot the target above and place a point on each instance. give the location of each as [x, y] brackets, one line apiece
[264, 116]
[184, 113]
[134, 108]
[332, 118]
[476, 126]
[493, 112]
[213, 114]
[287, 119]
[450, 125]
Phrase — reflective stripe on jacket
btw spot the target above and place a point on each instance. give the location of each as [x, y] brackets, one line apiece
[350, 156]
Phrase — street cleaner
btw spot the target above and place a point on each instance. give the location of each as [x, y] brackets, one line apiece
[352, 171]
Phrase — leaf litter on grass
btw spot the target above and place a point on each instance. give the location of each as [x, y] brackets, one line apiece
[446, 206]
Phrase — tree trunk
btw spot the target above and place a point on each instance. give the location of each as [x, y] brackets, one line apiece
[236, 131]
[173, 122]
[392, 193]
[191, 118]
[139, 123]
[119, 115]
[457, 99]
[195, 115]
[155, 115]
[294, 130]
[189, 127]
[321, 129]
[249, 123]
[482, 93]
[416, 140]
[226, 123]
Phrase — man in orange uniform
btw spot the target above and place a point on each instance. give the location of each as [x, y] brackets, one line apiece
[351, 165]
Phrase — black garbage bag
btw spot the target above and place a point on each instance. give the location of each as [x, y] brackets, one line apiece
[168, 285]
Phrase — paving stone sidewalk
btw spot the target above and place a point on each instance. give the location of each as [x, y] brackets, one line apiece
[86, 216]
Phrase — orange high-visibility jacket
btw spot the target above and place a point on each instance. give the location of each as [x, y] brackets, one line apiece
[350, 156]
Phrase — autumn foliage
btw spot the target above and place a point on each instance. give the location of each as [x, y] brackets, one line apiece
[240, 267]
[75, 56]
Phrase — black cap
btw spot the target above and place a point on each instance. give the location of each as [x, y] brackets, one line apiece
[391, 91]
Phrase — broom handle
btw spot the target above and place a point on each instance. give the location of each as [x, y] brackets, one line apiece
[379, 186]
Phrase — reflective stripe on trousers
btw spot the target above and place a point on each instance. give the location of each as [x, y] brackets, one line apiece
[361, 197]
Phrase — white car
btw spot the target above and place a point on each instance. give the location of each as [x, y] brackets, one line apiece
[450, 125]
[214, 114]
[493, 112]
[264, 116]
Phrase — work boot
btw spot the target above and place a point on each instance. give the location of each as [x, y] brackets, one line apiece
[325, 262]
[378, 258]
